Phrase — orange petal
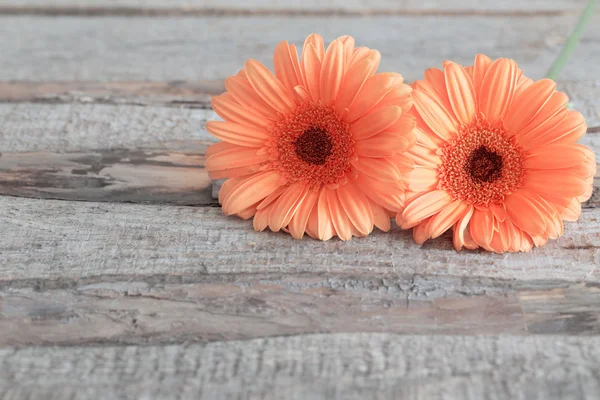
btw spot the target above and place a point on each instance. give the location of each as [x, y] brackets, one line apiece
[268, 87]
[526, 106]
[543, 133]
[231, 111]
[381, 145]
[375, 122]
[357, 207]
[285, 206]
[361, 53]
[243, 92]
[480, 67]
[570, 130]
[311, 65]
[348, 44]
[499, 211]
[250, 191]
[437, 79]
[498, 89]
[287, 66]
[423, 206]
[556, 156]
[555, 183]
[341, 223]
[325, 229]
[434, 115]
[423, 179]
[228, 186]
[424, 157]
[481, 227]
[316, 41]
[299, 221]
[261, 220]
[445, 219]
[537, 125]
[379, 168]
[373, 190]
[248, 136]
[569, 210]
[332, 72]
[353, 81]
[219, 147]
[272, 197]
[373, 91]
[525, 214]
[421, 232]
[460, 92]
[234, 158]
[381, 218]
[461, 235]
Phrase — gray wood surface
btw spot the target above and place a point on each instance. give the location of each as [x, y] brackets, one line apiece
[316, 367]
[54, 239]
[177, 48]
[200, 307]
[257, 6]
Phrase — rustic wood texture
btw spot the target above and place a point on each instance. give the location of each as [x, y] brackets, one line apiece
[316, 367]
[252, 7]
[160, 309]
[53, 239]
[139, 176]
[163, 49]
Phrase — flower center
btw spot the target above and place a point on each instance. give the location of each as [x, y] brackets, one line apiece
[484, 165]
[481, 165]
[312, 145]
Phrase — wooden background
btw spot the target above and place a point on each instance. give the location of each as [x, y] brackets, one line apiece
[120, 278]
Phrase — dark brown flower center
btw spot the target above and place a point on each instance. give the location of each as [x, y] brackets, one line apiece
[313, 146]
[484, 165]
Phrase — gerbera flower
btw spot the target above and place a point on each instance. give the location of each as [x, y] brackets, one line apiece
[317, 146]
[496, 158]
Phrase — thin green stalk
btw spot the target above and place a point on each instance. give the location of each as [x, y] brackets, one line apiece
[572, 41]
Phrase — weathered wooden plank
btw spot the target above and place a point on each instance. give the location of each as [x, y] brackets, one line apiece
[140, 176]
[162, 309]
[136, 49]
[203, 7]
[51, 239]
[584, 95]
[83, 127]
[174, 93]
[318, 367]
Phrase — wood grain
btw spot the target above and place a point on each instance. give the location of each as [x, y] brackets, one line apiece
[316, 367]
[51, 239]
[139, 176]
[163, 49]
[253, 7]
[162, 309]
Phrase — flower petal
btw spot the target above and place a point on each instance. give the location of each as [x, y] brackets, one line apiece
[551, 108]
[423, 179]
[481, 227]
[299, 221]
[434, 115]
[461, 236]
[556, 156]
[381, 218]
[248, 136]
[555, 183]
[341, 223]
[375, 122]
[316, 41]
[480, 67]
[378, 168]
[311, 65]
[268, 87]
[373, 91]
[461, 92]
[357, 207]
[445, 219]
[325, 230]
[332, 72]
[498, 89]
[250, 191]
[353, 82]
[525, 214]
[234, 158]
[243, 92]
[283, 209]
[287, 66]
[381, 145]
[423, 206]
[526, 106]
[232, 111]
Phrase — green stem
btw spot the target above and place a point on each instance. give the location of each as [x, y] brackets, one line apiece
[572, 41]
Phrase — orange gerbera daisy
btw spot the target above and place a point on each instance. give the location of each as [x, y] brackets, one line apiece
[496, 158]
[317, 147]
